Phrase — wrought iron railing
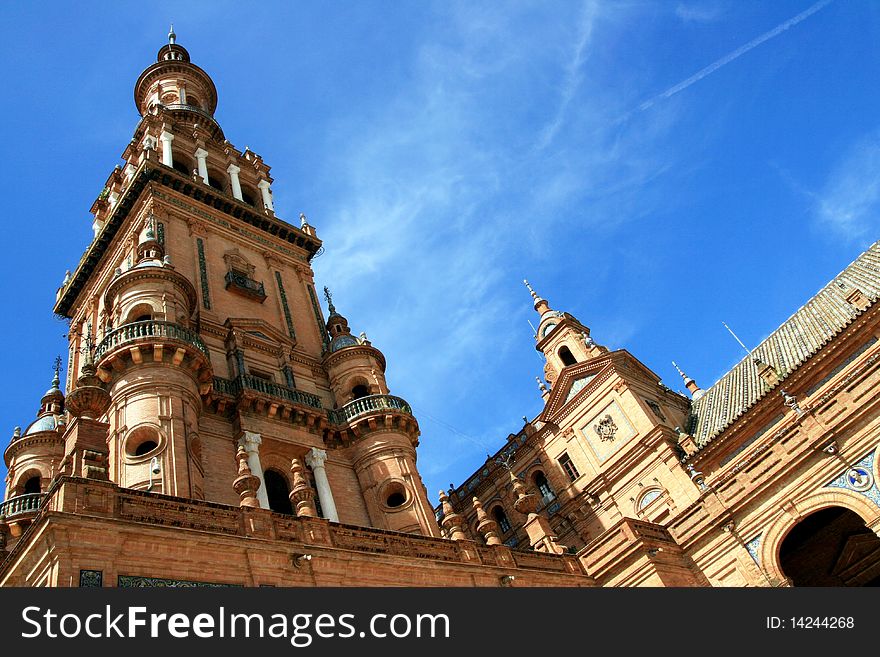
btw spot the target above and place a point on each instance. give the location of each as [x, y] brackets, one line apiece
[190, 108]
[149, 329]
[28, 503]
[245, 284]
[249, 382]
[366, 405]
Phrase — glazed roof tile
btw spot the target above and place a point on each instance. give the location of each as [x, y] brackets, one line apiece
[789, 346]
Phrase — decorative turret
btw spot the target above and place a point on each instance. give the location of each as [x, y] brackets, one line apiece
[355, 366]
[33, 458]
[562, 339]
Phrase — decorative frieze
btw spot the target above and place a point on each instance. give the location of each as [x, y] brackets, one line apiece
[325, 339]
[203, 274]
[285, 306]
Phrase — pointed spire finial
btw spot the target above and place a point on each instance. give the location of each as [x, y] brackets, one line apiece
[531, 291]
[303, 222]
[329, 297]
[172, 37]
[683, 375]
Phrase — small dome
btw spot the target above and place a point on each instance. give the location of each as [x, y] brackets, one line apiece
[45, 423]
[342, 341]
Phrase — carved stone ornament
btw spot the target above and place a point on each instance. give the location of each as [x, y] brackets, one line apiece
[606, 429]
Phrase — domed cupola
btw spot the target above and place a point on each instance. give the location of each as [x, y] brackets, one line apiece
[337, 327]
[34, 456]
[175, 83]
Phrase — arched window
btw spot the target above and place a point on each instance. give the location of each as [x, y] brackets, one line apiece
[247, 196]
[278, 492]
[501, 519]
[142, 440]
[193, 101]
[184, 166]
[359, 391]
[32, 485]
[543, 486]
[566, 357]
[215, 180]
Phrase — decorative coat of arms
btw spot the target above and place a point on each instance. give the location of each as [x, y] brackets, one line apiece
[606, 429]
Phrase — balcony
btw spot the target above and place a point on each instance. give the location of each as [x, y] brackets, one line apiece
[148, 331]
[367, 405]
[235, 386]
[238, 282]
[20, 506]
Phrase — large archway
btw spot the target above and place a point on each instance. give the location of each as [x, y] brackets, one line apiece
[831, 547]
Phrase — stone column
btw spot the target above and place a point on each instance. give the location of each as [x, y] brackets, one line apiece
[166, 138]
[267, 197]
[251, 442]
[315, 460]
[233, 181]
[201, 155]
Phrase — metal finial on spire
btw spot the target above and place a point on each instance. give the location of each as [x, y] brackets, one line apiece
[531, 291]
[329, 298]
[56, 380]
[683, 375]
[172, 37]
[303, 222]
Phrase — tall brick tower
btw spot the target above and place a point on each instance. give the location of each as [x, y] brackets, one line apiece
[195, 328]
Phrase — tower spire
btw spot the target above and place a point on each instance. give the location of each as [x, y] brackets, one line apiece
[329, 296]
[690, 384]
[172, 37]
[541, 305]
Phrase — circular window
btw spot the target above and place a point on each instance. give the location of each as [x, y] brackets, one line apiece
[145, 447]
[394, 495]
[142, 441]
[395, 500]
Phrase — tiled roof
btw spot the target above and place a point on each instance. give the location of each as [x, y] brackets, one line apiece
[801, 336]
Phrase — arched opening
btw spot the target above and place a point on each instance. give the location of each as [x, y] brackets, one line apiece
[140, 313]
[831, 547]
[566, 357]
[215, 180]
[360, 390]
[501, 519]
[543, 486]
[247, 195]
[278, 492]
[182, 165]
[193, 101]
[32, 485]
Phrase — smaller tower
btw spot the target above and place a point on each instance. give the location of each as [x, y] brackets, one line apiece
[690, 384]
[33, 459]
[562, 339]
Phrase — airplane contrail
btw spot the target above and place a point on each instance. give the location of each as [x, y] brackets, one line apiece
[742, 50]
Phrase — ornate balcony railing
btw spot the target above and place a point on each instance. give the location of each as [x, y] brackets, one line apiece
[249, 382]
[248, 286]
[136, 331]
[21, 504]
[190, 108]
[366, 405]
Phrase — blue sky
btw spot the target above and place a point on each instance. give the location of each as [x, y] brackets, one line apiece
[654, 168]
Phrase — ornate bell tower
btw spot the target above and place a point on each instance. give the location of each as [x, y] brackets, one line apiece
[196, 337]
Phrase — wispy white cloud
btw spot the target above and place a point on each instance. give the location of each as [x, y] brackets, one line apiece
[443, 205]
[699, 12]
[849, 203]
[739, 52]
[573, 73]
